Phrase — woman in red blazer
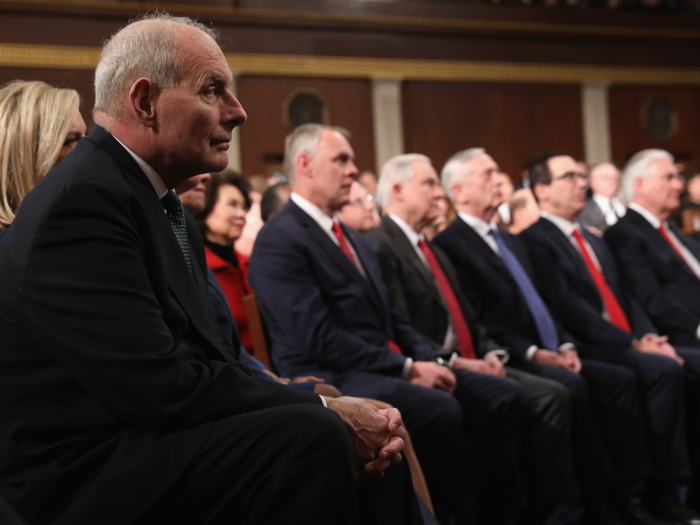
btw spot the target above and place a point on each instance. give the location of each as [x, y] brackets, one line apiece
[222, 221]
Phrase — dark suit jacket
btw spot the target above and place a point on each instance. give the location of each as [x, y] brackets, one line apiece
[592, 215]
[414, 290]
[325, 318]
[490, 288]
[665, 287]
[111, 370]
[568, 288]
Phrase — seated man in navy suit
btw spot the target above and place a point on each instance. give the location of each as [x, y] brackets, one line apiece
[578, 278]
[495, 274]
[659, 263]
[320, 291]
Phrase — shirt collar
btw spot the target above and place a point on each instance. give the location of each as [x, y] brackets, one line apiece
[601, 201]
[479, 225]
[158, 185]
[313, 211]
[566, 227]
[653, 219]
[413, 237]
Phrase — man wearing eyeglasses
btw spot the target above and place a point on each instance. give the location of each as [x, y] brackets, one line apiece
[360, 213]
[578, 278]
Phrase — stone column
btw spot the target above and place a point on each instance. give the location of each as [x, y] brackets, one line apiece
[388, 121]
[596, 123]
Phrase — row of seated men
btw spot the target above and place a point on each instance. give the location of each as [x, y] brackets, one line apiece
[481, 336]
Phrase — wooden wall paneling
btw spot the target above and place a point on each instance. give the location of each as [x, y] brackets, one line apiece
[514, 122]
[349, 105]
[626, 105]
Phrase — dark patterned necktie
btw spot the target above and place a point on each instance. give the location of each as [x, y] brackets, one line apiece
[176, 216]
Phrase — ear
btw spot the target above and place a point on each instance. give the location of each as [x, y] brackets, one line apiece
[455, 189]
[541, 191]
[396, 192]
[638, 183]
[143, 101]
[304, 165]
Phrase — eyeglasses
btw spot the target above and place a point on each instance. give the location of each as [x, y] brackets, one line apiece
[359, 203]
[569, 176]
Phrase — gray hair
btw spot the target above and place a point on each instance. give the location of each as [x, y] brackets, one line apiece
[454, 163]
[638, 167]
[150, 52]
[397, 169]
[304, 139]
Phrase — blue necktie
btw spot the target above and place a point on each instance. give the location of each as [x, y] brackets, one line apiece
[543, 321]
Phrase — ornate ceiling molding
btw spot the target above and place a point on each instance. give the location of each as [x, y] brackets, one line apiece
[70, 57]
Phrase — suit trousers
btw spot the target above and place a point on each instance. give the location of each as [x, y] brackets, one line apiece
[291, 464]
[608, 434]
[547, 473]
[662, 384]
[464, 441]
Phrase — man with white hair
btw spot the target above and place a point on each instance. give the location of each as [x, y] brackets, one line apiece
[119, 404]
[495, 273]
[660, 264]
[321, 294]
[603, 208]
[578, 278]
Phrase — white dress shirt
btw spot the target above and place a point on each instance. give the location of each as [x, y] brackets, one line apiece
[690, 259]
[326, 224]
[158, 185]
[612, 209]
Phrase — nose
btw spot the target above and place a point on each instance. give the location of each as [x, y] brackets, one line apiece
[233, 114]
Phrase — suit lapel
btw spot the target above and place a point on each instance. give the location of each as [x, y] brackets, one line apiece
[323, 242]
[177, 273]
[662, 247]
[373, 273]
[407, 252]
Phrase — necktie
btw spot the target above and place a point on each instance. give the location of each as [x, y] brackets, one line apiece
[464, 336]
[176, 216]
[664, 234]
[617, 314]
[338, 231]
[543, 321]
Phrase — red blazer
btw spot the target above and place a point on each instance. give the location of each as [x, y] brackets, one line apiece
[234, 283]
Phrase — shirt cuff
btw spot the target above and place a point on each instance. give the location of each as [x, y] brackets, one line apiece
[407, 368]
[530, 353]
[323, 400]
[568, 346]
[502, 355]
[452, 359]
[697, 333]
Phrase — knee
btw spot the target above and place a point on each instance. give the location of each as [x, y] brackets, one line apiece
[318, 429]
[577, 389]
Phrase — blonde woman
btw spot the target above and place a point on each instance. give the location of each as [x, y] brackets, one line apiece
[39, 126]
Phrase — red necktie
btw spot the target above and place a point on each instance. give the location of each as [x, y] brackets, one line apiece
[464, 336]
[617, 314]
[664, 234]
[338, 231]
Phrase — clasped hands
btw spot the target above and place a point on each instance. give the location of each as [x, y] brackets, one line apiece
[656, 344]
[376, 434]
